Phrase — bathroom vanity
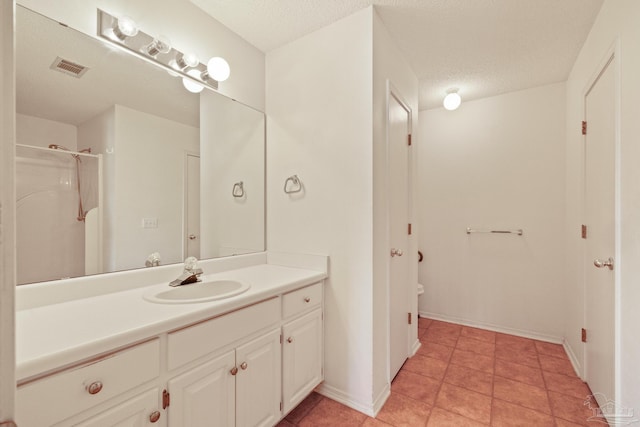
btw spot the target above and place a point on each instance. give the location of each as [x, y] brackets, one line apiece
[117, 358]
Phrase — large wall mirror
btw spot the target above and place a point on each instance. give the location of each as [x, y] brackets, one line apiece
[119, 167]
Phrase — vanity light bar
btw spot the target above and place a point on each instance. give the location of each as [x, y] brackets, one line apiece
[139, 43]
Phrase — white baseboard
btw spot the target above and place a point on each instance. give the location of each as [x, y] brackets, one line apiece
[577, 366]
[496, 328]
[371, 409]
[414, 348]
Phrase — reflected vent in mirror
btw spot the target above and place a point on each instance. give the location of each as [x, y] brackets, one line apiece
[68, 67]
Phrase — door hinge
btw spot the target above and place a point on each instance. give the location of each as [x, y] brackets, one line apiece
[583, 231]
[280, 338]
[584, 127]
[166, 399]
[409, 229]
[280, 405]
[584, 335]
[409, 139]
[409, 318]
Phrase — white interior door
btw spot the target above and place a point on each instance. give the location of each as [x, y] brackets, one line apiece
[399, 175]
[600, 113]
[192, 206]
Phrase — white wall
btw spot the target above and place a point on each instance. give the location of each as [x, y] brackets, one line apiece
[617, 21]
[149, 183]
[495, 163]
[388, 65]
[39, 132]
[233, 150]
[319, 126]
[188, 28]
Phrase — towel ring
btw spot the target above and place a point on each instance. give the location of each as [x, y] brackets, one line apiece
[238, 189]
[295, 187]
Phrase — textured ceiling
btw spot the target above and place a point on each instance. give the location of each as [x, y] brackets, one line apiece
[482, 47]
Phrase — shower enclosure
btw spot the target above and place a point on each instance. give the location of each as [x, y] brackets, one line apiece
[58, 212]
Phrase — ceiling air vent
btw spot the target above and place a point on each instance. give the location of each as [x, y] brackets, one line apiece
[68, 67]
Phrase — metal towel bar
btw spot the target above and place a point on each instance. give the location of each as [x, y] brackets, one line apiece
[518, 231]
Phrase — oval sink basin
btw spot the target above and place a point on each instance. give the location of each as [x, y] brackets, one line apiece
[198, 292]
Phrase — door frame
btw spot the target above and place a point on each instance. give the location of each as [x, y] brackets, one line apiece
[7, 213]
[610, 59]
[393, 92]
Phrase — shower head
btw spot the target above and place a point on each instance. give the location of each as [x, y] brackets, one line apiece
[58, 147]
[62, 147]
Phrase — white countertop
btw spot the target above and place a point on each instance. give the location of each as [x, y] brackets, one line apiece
[53, 336]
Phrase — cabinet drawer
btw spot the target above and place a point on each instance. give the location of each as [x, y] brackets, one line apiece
[59, 396]
[299, 301]
[196, 341]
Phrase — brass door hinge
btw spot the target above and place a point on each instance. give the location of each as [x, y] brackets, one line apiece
[584, 127]
[583, 231]
[409, 229]
[584, 335]
[166, 399]
[409, 139]
[409, 318]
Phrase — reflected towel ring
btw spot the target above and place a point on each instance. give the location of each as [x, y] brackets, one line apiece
[238, 189]
[295, 187]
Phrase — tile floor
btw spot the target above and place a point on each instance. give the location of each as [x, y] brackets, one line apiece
[463, 377]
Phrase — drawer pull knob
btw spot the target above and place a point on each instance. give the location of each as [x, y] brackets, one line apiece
[94, 387]
[234, 370]
[244, 365]
[290, 340]
[154, 416]
[307, 299]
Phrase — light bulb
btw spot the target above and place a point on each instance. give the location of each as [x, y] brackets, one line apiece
[189, 84]
[125, 27]
[184, 60]
[452, 101]
[218, 69]
[159, 45]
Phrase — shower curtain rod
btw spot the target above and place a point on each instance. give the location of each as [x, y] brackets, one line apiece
[53, 150]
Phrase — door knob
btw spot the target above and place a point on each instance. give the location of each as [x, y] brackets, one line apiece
[396, 252]
[192, 237]
[601, 264]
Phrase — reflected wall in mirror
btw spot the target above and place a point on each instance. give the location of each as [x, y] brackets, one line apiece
[121, 162]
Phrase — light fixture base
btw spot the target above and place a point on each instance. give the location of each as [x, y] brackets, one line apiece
[138, 46]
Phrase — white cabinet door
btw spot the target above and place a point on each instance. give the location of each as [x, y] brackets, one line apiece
[141, 411]
[204, 396]
[301, 358]
[258, 381]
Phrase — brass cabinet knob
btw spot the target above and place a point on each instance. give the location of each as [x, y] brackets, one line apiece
[94, 387]
[154, 416]
[234, 370]
[307, 299]
[244, 365]
[290, 340]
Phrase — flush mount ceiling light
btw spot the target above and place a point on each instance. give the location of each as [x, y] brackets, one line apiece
[452, 100]
[123, 33]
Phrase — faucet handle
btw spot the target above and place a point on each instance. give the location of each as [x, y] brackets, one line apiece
[191, 263]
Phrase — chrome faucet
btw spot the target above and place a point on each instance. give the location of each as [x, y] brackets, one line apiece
[191, 273]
